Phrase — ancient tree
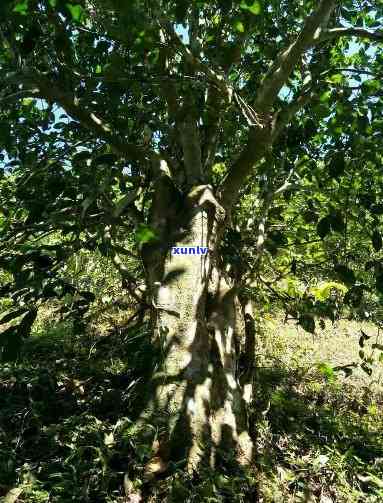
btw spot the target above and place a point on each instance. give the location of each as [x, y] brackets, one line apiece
[157, 119]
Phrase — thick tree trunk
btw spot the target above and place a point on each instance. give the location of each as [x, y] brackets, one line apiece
[196, 402]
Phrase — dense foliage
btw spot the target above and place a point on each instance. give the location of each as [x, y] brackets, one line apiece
[113, 114]
[84, 116]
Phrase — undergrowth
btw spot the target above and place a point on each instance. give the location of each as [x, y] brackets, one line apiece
[67, 429]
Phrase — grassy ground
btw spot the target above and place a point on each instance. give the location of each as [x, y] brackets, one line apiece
[320, 435]
[66, 433]
[336, 345]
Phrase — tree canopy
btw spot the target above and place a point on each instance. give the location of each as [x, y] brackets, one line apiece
[97, 95]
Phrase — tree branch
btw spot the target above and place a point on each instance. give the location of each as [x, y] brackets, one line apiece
[260, 135]
[261, 231]
[283, 117]
[342, 31]
[26, 93]
[130, 281]
[182, 112]
[267, 203]
[257, 144]
[88, 119]
[280, 72]
[191, 145]
[213, 102]
[352, 70]
[213, 76]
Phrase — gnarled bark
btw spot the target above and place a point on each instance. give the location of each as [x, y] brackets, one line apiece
[196, 399]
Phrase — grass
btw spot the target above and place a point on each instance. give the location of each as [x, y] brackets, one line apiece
[63, 410]
[67, 434]
[320, 434]
[336, 345]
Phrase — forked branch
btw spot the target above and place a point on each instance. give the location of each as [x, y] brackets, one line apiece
[260, 136]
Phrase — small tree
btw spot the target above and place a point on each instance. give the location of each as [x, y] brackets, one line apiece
[189, 124]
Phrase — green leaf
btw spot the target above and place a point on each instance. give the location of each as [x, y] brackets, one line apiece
[145, 234]
[337, 78]
[326, 370]
[307, 322]
[337, 165]
[363, 338]
[76, 11]
[346, 275]
[53, 3]
[325, 96]
[27, 102]
[377, 209]
[376, 239]
[238, 26]
[372, 85]
[21, 7]
[323, 227]
[255, 8]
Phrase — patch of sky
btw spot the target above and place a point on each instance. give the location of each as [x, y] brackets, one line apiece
[182, 32]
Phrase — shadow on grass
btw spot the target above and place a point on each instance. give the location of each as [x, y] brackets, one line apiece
[67, 433]
[65, 408]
